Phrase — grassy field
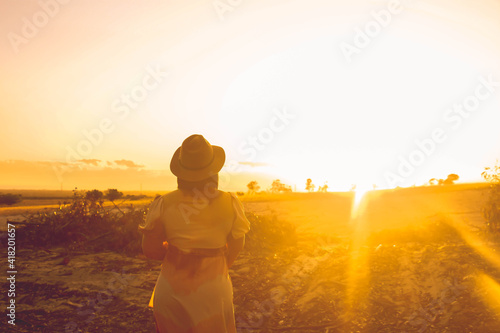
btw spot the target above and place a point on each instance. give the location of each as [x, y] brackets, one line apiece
[35, 200]
[411, 260]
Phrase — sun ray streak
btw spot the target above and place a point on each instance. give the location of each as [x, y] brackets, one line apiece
[356, 293]
[475, 242]
[490, 291]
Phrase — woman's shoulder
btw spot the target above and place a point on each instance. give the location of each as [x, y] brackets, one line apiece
[229, 196]
[166, 198]
[224, 193]
[177, 196]
[170, 195]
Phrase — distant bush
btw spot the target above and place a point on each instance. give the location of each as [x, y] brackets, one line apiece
[113, 194]
[267, 232]
[135, 197]
[94, 195]
[450, 180]
[309, 185]
[253, 187]
[85, 223]
[491, 210]
[10, 199]
[278, 187]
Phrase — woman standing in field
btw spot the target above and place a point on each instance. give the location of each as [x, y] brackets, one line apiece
[198, 232]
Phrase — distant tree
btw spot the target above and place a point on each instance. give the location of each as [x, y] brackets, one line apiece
[94, 195]
[113, 194]
[10, 199]
[253, 187]
[95, 199]
[451, 179]
[491, 210]
[323, 188]
[133, 197]
[277, 187]
[492, 175]
[309, 185]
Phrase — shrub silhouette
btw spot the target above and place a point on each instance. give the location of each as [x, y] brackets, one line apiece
[277, 187]
[253, 187]
[94, 196]
[491, 210]
[309, 185]
[10, 199]
[85, 224]
[78, 226]
[269, 233]
[113, 194]
[451, 179]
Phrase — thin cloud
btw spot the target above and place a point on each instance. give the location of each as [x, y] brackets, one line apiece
[93, 161]
[254, 164]
[128, 164]
[21, 174]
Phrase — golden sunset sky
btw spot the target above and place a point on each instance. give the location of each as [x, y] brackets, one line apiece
[99, 94]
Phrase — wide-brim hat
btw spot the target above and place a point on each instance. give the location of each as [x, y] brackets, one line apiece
[197, 159]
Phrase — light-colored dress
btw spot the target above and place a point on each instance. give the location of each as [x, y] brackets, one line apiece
[194, 292]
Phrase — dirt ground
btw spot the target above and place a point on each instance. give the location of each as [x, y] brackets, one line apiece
[412, 262]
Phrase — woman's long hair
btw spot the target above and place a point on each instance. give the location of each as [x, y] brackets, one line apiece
[207, 188]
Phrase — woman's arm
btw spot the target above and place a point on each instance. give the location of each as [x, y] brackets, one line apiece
[234, 246]
[152, 242]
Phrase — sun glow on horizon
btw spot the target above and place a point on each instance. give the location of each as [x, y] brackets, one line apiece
[359, 202]
[281, 92]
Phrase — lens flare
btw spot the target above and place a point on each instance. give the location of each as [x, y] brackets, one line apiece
[490, 291]
[359, 203]
[357, 288]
